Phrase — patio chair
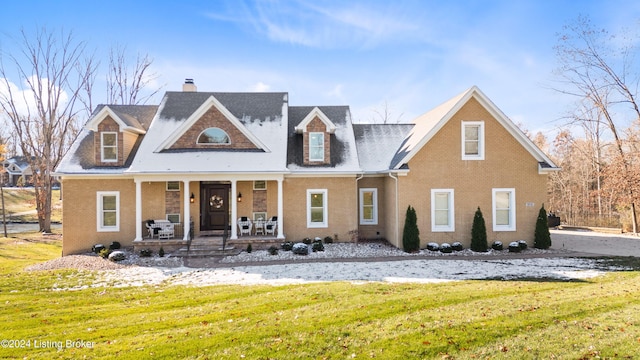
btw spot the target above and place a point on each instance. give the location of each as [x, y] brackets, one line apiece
[151, 229]
[167, 231]
[244, 225]
[271, 225]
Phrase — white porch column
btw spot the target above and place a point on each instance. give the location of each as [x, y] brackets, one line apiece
[187, 210]
[280, 210]
[138, 210]
[234, 210]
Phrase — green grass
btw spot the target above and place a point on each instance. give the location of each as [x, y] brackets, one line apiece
[20, 200]
[461, 320]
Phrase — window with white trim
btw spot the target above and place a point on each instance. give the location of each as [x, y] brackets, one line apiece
[259, 185]
[442, 210]
[109, 146]
[173, 185]
[473, 140]
[317, 208]
[108, 211]
[173, 218]
[504, 209]
[213, 136]
[368, 206]
[316, 146]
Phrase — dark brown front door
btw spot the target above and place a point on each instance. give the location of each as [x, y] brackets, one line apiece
[214, 206]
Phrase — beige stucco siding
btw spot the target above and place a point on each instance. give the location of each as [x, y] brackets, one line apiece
[79, 220]
[342, 207]
[439, 165]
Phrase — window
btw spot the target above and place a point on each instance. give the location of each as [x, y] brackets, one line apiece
[108, 211]
[259, 216]
[259, 185]
[173, 185]
[504, 209]
[317, 208]
[213, 135]
[109, 147]
[472, 140]
[442, 210]
[369, 206]
[174, 218]
[316, 146]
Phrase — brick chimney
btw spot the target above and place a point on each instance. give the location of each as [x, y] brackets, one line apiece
[189, 86]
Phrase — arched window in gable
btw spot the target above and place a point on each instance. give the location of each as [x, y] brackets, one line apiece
[214, 136]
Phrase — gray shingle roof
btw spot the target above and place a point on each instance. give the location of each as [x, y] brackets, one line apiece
[378, 144]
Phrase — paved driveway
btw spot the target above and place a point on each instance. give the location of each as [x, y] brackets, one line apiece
[596, 243]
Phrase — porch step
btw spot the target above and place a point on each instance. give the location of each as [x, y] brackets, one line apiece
[209, 246]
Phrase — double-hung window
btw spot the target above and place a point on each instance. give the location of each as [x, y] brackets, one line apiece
[473, 140]
[442, 210]
[504, 209]
[108, 210]
[368, 206]
[316, 146]
[109, 147]
[317, 208]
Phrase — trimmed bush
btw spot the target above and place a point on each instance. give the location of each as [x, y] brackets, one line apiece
[317, 246]
[446, 248]
[97, 248]
[497, 245]
[300, 249]
[273, 250]
[328, 240]
[478, 233]
[161, 252]
[433, 246]
[522, 244]
[104, 253]
[457, 246]
[287, 246]
[514, 247]
[117, 256]
[114, 245]
[145, 253]
[249, 248]
[542, 237]
[411, 234]
[306, 241]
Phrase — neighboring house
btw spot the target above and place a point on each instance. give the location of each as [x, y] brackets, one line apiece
[212, 158]
[15, 168]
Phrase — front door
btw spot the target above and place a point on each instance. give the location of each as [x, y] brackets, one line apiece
[214, 206]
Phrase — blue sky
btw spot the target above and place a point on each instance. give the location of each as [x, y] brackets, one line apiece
[411, 55]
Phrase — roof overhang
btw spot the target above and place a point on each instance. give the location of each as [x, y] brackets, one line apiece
[105, 112]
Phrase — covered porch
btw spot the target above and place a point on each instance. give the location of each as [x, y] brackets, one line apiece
[210, 208]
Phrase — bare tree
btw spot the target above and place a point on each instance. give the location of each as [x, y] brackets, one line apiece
[50, 79]
[124, 84]
[600, 75]
[2, 171]
[385, 114]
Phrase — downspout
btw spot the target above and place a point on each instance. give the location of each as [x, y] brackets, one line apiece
[397, 219]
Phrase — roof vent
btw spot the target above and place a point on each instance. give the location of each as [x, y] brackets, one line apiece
[189, 86]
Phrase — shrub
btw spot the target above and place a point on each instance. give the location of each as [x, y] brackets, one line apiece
[433, 246]
[161, 252]
[97, 248]
[306, 241]
[145, 253]
[117, 256]
[514, 247]
[273, 250]
[446, 248]
[287, 246]
[457, 246]
[497, 245]
[114, 245]
[104, 253]
[522, 244]
[249, 248]
[411, 233]
[478, 233]
[300, 249]
[317, 246]
[328, 240]
[542, 237]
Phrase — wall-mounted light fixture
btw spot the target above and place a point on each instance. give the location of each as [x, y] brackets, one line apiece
[192, 198]
[239, 197]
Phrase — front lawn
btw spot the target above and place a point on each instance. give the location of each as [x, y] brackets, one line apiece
[462, 320]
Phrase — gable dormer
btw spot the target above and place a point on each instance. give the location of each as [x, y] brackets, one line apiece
[316, 129]
[113, 137]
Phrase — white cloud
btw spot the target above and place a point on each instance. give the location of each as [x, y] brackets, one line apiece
[260, 87]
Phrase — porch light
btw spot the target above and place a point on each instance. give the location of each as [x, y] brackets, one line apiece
[192, 198]
[239, 197]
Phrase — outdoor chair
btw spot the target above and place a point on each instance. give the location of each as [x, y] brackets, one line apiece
[271, 225]
[245, 225]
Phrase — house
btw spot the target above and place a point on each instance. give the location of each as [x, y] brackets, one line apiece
[15, 168]
[206, 160]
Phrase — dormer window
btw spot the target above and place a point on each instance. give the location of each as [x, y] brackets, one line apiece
[215, 136]
[109, 147]
[316, 146]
